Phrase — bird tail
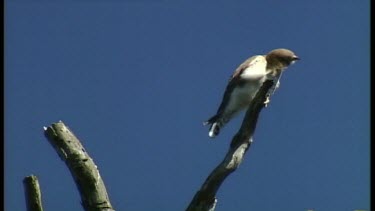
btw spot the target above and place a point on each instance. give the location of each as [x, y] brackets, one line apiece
[216, 123]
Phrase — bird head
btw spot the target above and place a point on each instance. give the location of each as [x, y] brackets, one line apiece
[281, 58]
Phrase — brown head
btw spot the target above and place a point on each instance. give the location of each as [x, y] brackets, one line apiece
[281, 58]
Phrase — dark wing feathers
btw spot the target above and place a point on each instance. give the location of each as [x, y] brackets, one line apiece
[234, 79]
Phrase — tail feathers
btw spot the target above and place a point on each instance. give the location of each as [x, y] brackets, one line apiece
[216, 124]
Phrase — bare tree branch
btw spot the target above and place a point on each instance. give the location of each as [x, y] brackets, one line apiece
[205, 198]
[32, 193]
[83, 169]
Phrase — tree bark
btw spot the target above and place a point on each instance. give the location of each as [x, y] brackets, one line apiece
[83, 169]
[205, 199]
[33, 195]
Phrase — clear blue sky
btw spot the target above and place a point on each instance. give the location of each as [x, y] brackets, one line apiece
[135, 80]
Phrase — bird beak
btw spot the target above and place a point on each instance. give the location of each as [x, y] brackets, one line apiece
[296, 58]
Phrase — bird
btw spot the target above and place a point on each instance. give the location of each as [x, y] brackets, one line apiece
[246, 81]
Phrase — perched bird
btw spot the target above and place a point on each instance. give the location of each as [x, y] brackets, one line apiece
[245, 83]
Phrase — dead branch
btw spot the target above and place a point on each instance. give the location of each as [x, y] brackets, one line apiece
[32, 193]
[83, 169]
[205, 199]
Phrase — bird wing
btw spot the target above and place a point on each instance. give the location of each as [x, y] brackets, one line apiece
[236, 80]
[253, 68]
[246, 64]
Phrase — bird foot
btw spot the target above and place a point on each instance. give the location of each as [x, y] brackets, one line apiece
[267, 101]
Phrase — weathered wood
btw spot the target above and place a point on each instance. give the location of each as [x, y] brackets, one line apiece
[33, 194]
[83, 169]
[205, 199]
